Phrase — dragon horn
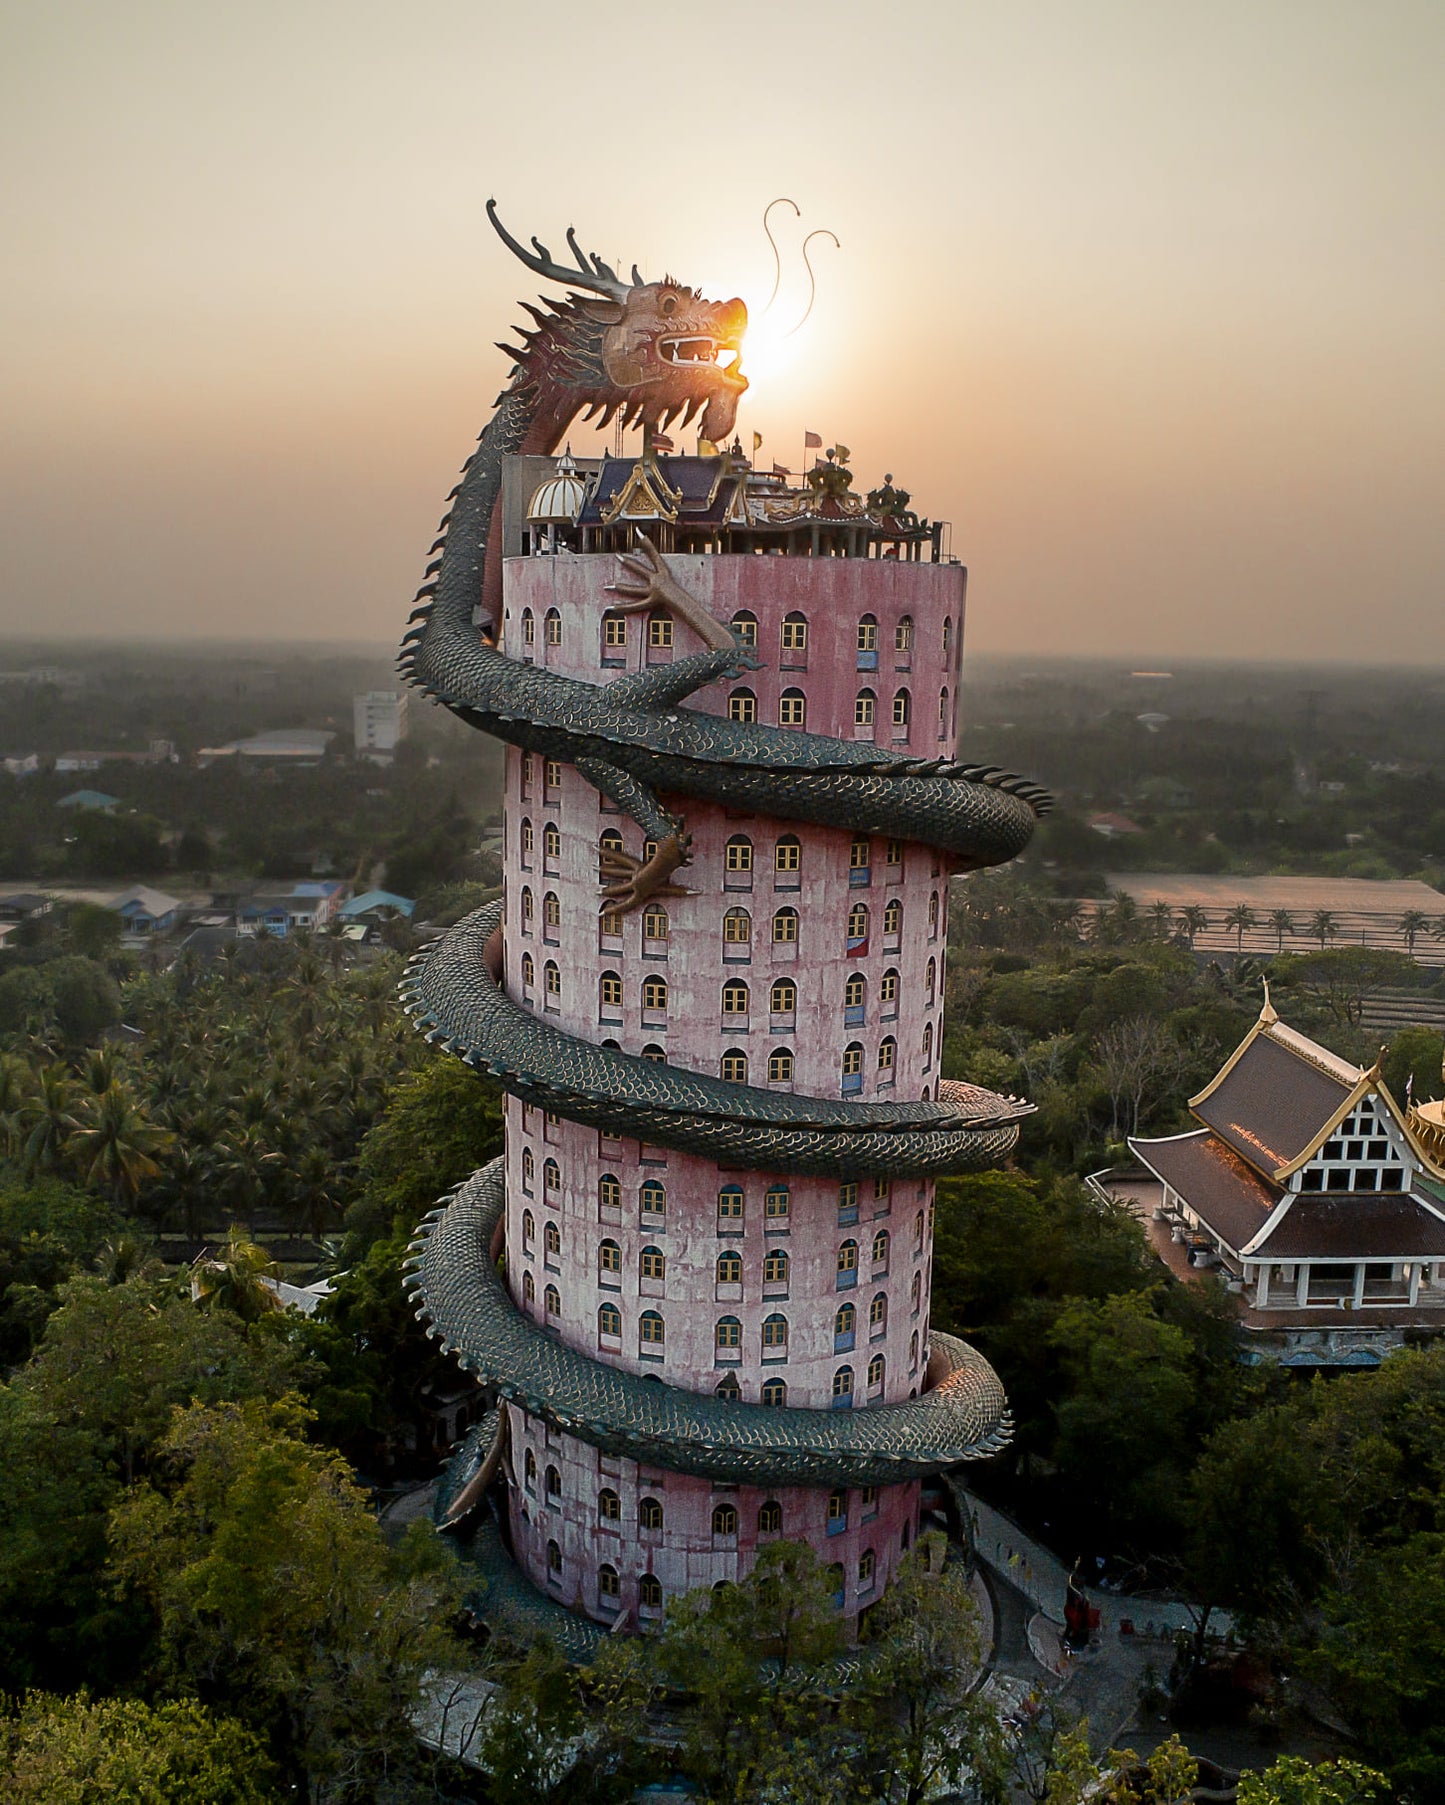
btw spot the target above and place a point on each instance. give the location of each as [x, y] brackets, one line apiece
[600, 280]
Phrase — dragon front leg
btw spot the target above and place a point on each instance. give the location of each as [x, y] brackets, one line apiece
[627, 882]
[646, 582]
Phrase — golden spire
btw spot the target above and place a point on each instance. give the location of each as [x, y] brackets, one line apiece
[1268, 1015]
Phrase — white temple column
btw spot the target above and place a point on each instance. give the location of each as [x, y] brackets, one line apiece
[1302, 1284]
[1359, 1283]
[1415, 1270]
[1261, 1284]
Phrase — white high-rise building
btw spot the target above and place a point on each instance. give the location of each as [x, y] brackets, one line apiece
[379, 723]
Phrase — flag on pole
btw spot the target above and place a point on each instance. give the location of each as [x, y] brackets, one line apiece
[661, 442]
[757, 441]
[812, 441]
[780, 469]
[1410, 1087]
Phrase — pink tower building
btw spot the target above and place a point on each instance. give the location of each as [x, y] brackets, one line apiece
[713, 989]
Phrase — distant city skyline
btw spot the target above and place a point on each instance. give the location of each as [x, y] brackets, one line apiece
[1145, 300]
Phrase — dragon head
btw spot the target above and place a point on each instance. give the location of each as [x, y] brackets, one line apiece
[650, 351]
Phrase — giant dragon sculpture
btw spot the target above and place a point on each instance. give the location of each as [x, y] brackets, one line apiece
[651, 352]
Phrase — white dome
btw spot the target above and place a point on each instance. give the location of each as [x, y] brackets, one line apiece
[558, 501]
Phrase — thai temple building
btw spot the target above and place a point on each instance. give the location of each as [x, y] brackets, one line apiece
[697, 1282]
[1319, 1198]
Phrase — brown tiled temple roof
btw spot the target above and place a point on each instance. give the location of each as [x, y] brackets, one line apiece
[1356, 1227]
[1221, 1189]
[1273, 1101]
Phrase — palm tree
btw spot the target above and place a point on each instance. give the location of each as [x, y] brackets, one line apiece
[1193, 920]
[1240, 918]
[1323, 926]
[231, 1279]
[48, 1120]
[1413, 923]
[115, 1145]
[1283, 923]
[1163, 915]
[16, 1086]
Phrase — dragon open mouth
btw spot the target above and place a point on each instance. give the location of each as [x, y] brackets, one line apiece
[701, 349]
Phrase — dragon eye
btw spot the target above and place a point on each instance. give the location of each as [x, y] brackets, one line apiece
[668, 304]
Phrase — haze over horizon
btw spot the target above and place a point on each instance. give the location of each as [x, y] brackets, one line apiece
[1144, 299]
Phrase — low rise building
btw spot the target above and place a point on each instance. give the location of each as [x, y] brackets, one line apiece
[21, 764]
[1320, 1199]
[145, 911]
[89, 799]
[303, 907]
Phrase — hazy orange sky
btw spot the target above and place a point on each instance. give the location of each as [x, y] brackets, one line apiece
[1145, 298]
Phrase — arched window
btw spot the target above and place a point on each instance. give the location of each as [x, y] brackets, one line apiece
[649, 1514]
[860, 860]
[853, 1066]
[947, 634]
[552, 983]
[745, 627]
[843, 1386]
[654, 1054]
[742, 705]
[735, 997]
[609, 1322]
[785, 927]
[651, 1330]
[918, 1232]
[529, 1289]
[551, 1176]
[728, 1389]
[527, 842]
[913, 1349]
[903, 643]
[777, 1207]
[770, 1515]
[734, 1066]
[529, 1173]
[654, 995]
[893, 921]
[865, 709]
[775, 1393]
[738, 863]
[887, 1057]
[837, 1510]
[727, 1335]
[552, 623]
[783, 997]
[880, 1248]
[553, 1484]
[609, 994]
[649, 1592]
[659, 631]
[788, 856]
[655, 923]
[609, 1587]
[845, 1322]
[878, 1314]
[609, 845]
[614, 638]
[855, 993]
[857, 926]
[730, 1268]
[609, 1192]
[529, 1471]
[931, 979]
[847, 1263]
[527, 908]
[652, 1197]
[529, 628]
[551, 841]
[775, 1335]
[794, 638]
[724, 1520]
[902, 713]
[652, 1263]
[775, 1266]
[848, 1200]
[552, 1301]
[554, 1562]
[915, 1296]
[609, 1259]
[875, 1373]
[780, 1066]
[933, 916]
[551, 915]
[943, 712]
[529, 1228]
[737, 929]
[866, 1565]
[792, 708]
[552, 1240]
[609, 1507]
[730, 1208]
[868, 643]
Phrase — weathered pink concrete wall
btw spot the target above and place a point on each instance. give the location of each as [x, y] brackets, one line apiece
[571, 1250]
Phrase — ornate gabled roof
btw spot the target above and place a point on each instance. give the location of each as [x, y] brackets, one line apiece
[1224, 1191]
[1355, 1226]
[1277, 1096]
